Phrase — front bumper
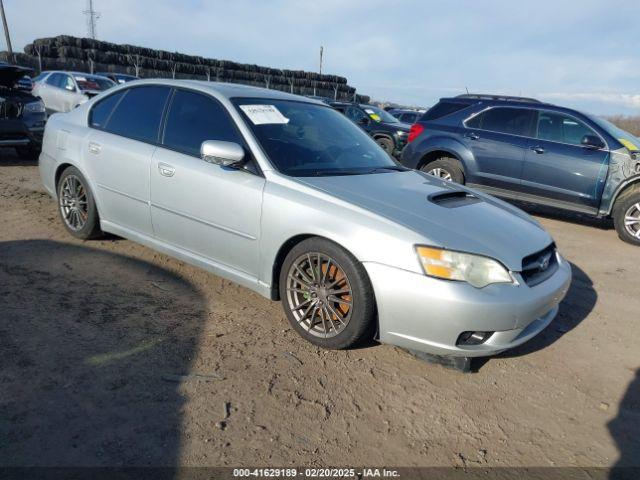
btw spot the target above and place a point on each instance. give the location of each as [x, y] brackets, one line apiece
[18, 133]
[428, 315]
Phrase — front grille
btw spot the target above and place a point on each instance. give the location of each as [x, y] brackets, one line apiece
[538, 267]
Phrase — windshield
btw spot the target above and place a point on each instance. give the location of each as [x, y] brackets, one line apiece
[379, 115]
[93, 83]
[630, 141]
[303, 139]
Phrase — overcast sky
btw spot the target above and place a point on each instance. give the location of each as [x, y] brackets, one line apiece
[580, 53]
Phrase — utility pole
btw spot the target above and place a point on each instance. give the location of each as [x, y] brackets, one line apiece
[92, 18]
[321, 51]
[6, 33]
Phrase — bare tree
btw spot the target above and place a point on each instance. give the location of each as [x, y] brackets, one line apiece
[290, 80]
[38, 50]
[267, 80]
[174, 67]
[91, 62]
[335, 91]
[134, 60]
[208, 73]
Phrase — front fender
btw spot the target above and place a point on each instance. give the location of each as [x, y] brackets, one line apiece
[624, 170]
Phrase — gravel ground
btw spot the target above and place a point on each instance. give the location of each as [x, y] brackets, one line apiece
[112, 354]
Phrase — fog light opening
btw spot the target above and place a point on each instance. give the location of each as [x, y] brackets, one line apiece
[473, 338]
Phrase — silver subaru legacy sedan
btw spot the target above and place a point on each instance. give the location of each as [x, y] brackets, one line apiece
[289, 198]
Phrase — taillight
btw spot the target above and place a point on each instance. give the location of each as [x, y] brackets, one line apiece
[416, 130]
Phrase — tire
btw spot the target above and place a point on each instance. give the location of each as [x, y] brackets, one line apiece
[29, 152]
[312, 310]
[626, 215]
[386, 144]
[446, 168]
[76, 205]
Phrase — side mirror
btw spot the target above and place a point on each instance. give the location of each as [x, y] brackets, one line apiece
[592, 142]
[225, 154]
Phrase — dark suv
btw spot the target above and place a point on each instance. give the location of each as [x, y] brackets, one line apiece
[388, 132]
[523, 149]
[22, 116]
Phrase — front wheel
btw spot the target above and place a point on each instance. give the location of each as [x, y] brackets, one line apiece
[326, 295]
[626, 216]
[386, 144]
[76, 205]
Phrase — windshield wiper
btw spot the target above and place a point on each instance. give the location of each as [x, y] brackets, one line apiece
[392, 168]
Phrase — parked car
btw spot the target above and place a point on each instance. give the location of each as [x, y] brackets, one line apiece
[407, 116]
[22, 116]
[62, 91]
[118, 77]
[287, 197]
[385, 129]
[523, 149]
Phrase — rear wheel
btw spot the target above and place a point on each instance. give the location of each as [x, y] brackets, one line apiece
[626, 216]
[76, 205]
[326, 294]
[446, 168]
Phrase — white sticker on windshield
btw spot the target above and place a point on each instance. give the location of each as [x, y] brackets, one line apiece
[369, 111]
[81, 79]
[264, 114]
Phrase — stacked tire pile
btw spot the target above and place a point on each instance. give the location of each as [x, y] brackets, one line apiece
[84, 54]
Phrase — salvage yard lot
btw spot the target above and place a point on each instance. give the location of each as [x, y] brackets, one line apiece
[114, 354]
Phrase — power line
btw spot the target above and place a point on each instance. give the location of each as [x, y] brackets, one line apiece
[92, 19]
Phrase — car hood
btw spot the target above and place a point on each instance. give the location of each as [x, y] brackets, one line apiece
[446, 214]
[10, 74]
[405, 127]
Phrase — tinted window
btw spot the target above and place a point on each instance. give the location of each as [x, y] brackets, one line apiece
[54, 79]
[561, 128]
[514, 121]
[139, 113]
[354, 114]
[442, 109]
[66, 82]
[194, 118]
[102, 110]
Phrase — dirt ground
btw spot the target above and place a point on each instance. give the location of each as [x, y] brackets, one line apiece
[112, 354]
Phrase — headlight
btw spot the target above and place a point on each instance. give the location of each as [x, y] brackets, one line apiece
[401, 133]
[34, 107]
[476, 270]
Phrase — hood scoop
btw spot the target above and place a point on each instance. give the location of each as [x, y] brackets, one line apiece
[453, 198]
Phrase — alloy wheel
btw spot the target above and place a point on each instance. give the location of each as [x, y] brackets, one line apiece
[73, 203]
[319, 295]
[440, 173]
[632, 220]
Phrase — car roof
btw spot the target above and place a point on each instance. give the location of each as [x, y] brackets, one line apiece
[228, 90]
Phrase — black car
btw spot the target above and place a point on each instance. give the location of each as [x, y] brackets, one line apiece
[406, 115]
[388, 132]
[22, 116]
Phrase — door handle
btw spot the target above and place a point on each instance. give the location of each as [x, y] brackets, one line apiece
[539, 150]
[94, 148]
[166, 170]
[472, 136]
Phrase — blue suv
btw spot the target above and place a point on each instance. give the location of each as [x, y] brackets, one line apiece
[522, 149]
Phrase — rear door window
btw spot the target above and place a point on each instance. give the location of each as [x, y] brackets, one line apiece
[139, 113]
[54, 79]
[355, 114]
[194, 118]
[557, 127]
[513, 121]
